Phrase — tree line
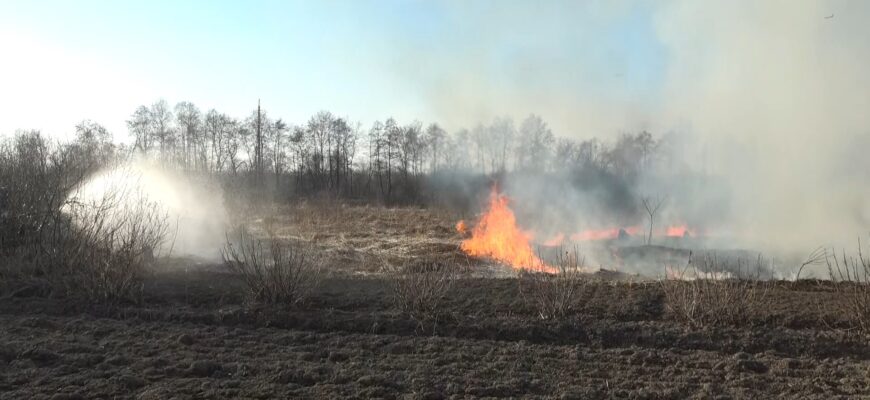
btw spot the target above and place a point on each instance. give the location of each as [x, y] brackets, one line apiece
[389, 161]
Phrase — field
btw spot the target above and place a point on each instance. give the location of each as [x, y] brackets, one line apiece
[194, 334]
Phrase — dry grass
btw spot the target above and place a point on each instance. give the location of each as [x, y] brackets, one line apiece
[555, 296]
[275, 272]
[706, 294]
[359, 239]
[851, 278]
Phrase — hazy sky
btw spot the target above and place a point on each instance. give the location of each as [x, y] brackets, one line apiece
[773, 96]
[453, 62]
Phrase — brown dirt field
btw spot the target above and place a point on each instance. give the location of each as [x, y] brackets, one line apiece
[194, 336]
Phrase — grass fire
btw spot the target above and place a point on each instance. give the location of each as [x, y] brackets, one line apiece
[496, 235]
[434, 200]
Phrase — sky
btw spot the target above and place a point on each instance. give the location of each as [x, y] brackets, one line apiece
[456, 63]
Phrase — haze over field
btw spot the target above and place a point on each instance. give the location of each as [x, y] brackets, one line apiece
[434, 199]
[768, 99]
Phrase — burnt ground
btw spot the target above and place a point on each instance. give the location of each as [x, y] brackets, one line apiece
[193, 335]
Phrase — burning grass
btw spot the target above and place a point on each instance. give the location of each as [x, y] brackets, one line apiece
[497, 236]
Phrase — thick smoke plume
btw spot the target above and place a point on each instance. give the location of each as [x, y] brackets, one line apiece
[764, 105]
[778, 98]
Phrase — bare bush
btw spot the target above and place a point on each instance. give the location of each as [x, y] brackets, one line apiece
[35, 180]
[274, 271]
[53, 239]
[99, 253]
[708, 293]
[816, 257]
[851, 278]
[557, 295]
[419, 289]
[108, 246]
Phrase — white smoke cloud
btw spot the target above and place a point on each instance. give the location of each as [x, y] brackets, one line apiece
[770, 99]
[195, 216]
[777, 93]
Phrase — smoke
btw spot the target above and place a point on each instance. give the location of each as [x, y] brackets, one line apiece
[194, 209]
[776, 92]
[764, 102]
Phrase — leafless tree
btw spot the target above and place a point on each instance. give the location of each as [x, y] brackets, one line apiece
[535, 144]
[435, 137]
[188, 118]
[651, 205]
[139, 126]
[161, 126]
[94, 143]
[502, 134]
[219, 129]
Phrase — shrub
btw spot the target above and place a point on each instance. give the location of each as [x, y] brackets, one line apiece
[557, 295]
[273, 271]
[420, 289]
[851, 280]
[109, 246]
[707, 294]
[64, 244]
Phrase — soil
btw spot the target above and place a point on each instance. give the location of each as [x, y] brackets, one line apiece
[194, 335]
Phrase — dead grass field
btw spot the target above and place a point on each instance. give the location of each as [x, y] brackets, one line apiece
[196, 335]
[364, 239]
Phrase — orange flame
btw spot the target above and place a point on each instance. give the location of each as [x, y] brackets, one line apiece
[555, 240]
[461, 228]
[678, 231]
[602, 234]
[497, 236]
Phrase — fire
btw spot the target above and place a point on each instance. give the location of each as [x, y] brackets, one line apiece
[614, 233]
[602, 234]
[677, 231]
[555, 240]
[497, 236]
[461, 228]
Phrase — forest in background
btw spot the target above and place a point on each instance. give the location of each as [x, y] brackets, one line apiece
[391, 162]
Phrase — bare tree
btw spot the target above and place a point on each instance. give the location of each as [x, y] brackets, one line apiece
[219, 128]
[503, 133]
[652, 207]
[258, 125]
[435, 137]
[188, 119]
[161, 126]
[94, 142]
[535, 144]
[278, 154]
[139, 126]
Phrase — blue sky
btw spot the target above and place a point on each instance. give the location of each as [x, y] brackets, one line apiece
[454, 62]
